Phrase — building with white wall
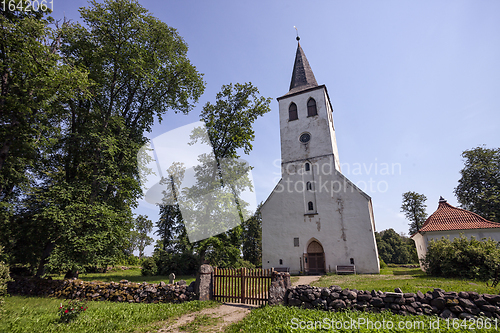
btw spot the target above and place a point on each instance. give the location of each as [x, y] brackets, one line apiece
[452, 222]
[315, 218]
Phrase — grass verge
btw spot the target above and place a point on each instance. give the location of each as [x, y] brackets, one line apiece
[294, 279]
[132, 274]
[40, 315]
[409, 280]
[293, 319]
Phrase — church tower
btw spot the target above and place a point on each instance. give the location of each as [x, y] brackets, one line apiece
[306, 117]
[315, 219]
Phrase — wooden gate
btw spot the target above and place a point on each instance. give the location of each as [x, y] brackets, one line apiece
[246, 286]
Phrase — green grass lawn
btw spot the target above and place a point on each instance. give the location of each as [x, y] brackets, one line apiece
[133, 275]
[408, 279]
[294, 279]
[293, 319]
[38, 314]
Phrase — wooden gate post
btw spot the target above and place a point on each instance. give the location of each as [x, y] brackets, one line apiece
[243, 284]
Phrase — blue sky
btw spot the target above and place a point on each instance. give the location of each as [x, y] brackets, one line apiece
[412, 83]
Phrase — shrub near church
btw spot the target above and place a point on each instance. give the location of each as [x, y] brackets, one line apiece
[463, 258]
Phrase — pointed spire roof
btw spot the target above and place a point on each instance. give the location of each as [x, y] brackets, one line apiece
[302, 75]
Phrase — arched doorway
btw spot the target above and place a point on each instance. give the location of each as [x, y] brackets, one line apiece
[316, 258]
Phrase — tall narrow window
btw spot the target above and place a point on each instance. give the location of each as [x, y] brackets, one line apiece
[311, 107]
[309, 186]
[292, 112]
[310, 205]
[296, 242]
[307, 167]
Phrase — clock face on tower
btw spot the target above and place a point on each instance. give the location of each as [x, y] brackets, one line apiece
[305, 137]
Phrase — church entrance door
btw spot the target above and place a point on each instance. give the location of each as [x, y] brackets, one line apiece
[316, 258]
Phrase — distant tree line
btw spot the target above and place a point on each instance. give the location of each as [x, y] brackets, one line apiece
[394, 248]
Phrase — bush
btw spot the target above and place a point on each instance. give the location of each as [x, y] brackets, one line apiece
[382, 263]
[72, 310]
[178, 263]
[244, 263]
[149, 267]
[463, 258]
[129, 260]
[4, 278]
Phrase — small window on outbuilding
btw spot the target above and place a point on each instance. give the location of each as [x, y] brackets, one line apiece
[311, 107]
[296, 242]
[310, 205]
[307, 167]
[292, 112]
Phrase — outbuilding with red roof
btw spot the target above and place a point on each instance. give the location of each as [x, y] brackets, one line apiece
[450, 222]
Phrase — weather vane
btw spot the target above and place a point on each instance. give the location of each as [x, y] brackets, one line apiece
[297, 38]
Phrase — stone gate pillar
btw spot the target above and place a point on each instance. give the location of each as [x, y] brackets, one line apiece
[280, 283]
[204, 284]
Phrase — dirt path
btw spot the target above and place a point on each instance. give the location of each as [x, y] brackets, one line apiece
[216, 319]
[210, 320]
[307, 280]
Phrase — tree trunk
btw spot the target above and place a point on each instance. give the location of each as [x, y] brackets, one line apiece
[70, 274]
[49, 247]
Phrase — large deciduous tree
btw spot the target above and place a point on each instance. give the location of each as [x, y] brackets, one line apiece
[229, 123]
[79, 212]
[35, 84]
[478, 188]
[414, 208]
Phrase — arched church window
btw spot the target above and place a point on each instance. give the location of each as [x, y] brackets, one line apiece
[292, 112]
[310, 205]
[309, 186]
[311, 107]
[307, 167]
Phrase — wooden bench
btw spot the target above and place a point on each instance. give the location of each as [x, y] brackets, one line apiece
[346, 269]
[282, 269]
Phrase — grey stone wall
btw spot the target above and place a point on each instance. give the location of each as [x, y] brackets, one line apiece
[451, 304]
[123, 291]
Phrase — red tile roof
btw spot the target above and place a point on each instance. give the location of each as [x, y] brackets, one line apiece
[447, 217]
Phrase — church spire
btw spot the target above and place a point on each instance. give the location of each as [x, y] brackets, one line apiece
[302, 75]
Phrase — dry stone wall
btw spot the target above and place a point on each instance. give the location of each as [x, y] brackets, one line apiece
[123, 291]
[464, 305]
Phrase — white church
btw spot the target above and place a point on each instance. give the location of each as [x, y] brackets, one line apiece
[315, 219]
